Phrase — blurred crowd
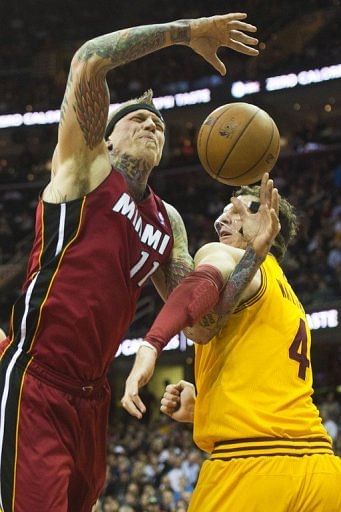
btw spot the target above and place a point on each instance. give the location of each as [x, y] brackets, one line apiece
[153, 467]
[309, 178]
[311, 181]
[150, 467]
[37, 44]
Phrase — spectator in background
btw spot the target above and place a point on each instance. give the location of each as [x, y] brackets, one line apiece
[110, 504]
[330, 407]
[331, 426]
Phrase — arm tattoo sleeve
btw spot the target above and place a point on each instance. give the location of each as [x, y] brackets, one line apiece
[175, 271]
[130, 44]
[91, 107]
[238, 281]
[112, 50]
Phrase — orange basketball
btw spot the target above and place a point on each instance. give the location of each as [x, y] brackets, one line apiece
[238, 143]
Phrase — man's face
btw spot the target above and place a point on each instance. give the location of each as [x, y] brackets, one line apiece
[228, 225]
[141, 135]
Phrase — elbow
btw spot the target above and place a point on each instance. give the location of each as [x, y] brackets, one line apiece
[199, 336]
[202, 340]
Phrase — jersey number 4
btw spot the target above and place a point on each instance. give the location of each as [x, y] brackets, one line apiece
[298, 350]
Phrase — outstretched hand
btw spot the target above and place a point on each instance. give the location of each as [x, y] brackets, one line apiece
[209, 34]
[261, 228]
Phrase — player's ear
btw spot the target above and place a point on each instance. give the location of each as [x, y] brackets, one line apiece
[109, 144]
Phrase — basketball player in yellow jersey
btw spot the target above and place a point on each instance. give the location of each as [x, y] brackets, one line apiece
[253, 412]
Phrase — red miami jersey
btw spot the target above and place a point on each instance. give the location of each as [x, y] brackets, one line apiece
[90, 258]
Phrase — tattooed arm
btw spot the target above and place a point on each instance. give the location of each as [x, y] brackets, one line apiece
[180, 263]
[225, 258]
[81, 160]
[243, 280]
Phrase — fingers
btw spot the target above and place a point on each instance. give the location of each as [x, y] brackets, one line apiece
[243, 38]
[174, 389]
[182, 384]
[239, 41]
[171, 400]
[268, 193]
[133, 404]
[216, 63]
[232, 16]
[275, 201]
[275, 224]
[262, 192]
[242, 48]
[240, 25]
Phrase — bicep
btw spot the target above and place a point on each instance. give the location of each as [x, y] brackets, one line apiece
[225, 259]
[217, 255]
[180, 262]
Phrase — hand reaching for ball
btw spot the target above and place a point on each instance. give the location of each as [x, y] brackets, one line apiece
[261, 228]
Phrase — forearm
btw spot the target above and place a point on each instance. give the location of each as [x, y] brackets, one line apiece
[241, 277]
[238, 281]
[123, 46]
[194, 297]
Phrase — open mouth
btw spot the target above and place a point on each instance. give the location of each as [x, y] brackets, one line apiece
[148, 137]
[224, 233]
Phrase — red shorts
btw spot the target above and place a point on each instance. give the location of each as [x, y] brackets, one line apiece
[52, 438]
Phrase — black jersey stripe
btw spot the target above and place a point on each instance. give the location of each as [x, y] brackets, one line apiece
[74, 211]
[254, 441]
[284, 454]
[29, 307]
[10, 397]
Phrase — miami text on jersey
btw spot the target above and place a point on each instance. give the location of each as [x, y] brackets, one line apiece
[147, 233]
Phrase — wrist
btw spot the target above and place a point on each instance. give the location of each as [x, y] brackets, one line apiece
[258, 254]
[180, 32]
[146, 344]
[188, 416]
[191, 415]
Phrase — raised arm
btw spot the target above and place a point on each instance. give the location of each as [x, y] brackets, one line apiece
[81, 149]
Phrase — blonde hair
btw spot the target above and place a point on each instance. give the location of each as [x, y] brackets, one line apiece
[145, 101]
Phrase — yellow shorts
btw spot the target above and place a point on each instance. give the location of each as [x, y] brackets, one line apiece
[269, 484]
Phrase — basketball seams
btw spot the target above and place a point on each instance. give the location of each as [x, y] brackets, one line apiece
[261, 157]
[236, 141]
[209, 135]
[245, 139]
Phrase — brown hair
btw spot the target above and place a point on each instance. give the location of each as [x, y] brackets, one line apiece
[287, 218]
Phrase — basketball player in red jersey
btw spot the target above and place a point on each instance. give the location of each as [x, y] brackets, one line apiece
[100, 233]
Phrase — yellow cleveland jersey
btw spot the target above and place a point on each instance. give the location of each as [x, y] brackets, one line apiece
[254, 379]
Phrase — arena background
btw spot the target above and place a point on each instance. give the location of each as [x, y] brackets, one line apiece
[296, 79]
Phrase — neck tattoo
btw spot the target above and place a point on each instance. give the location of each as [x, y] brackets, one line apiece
[135, 171]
